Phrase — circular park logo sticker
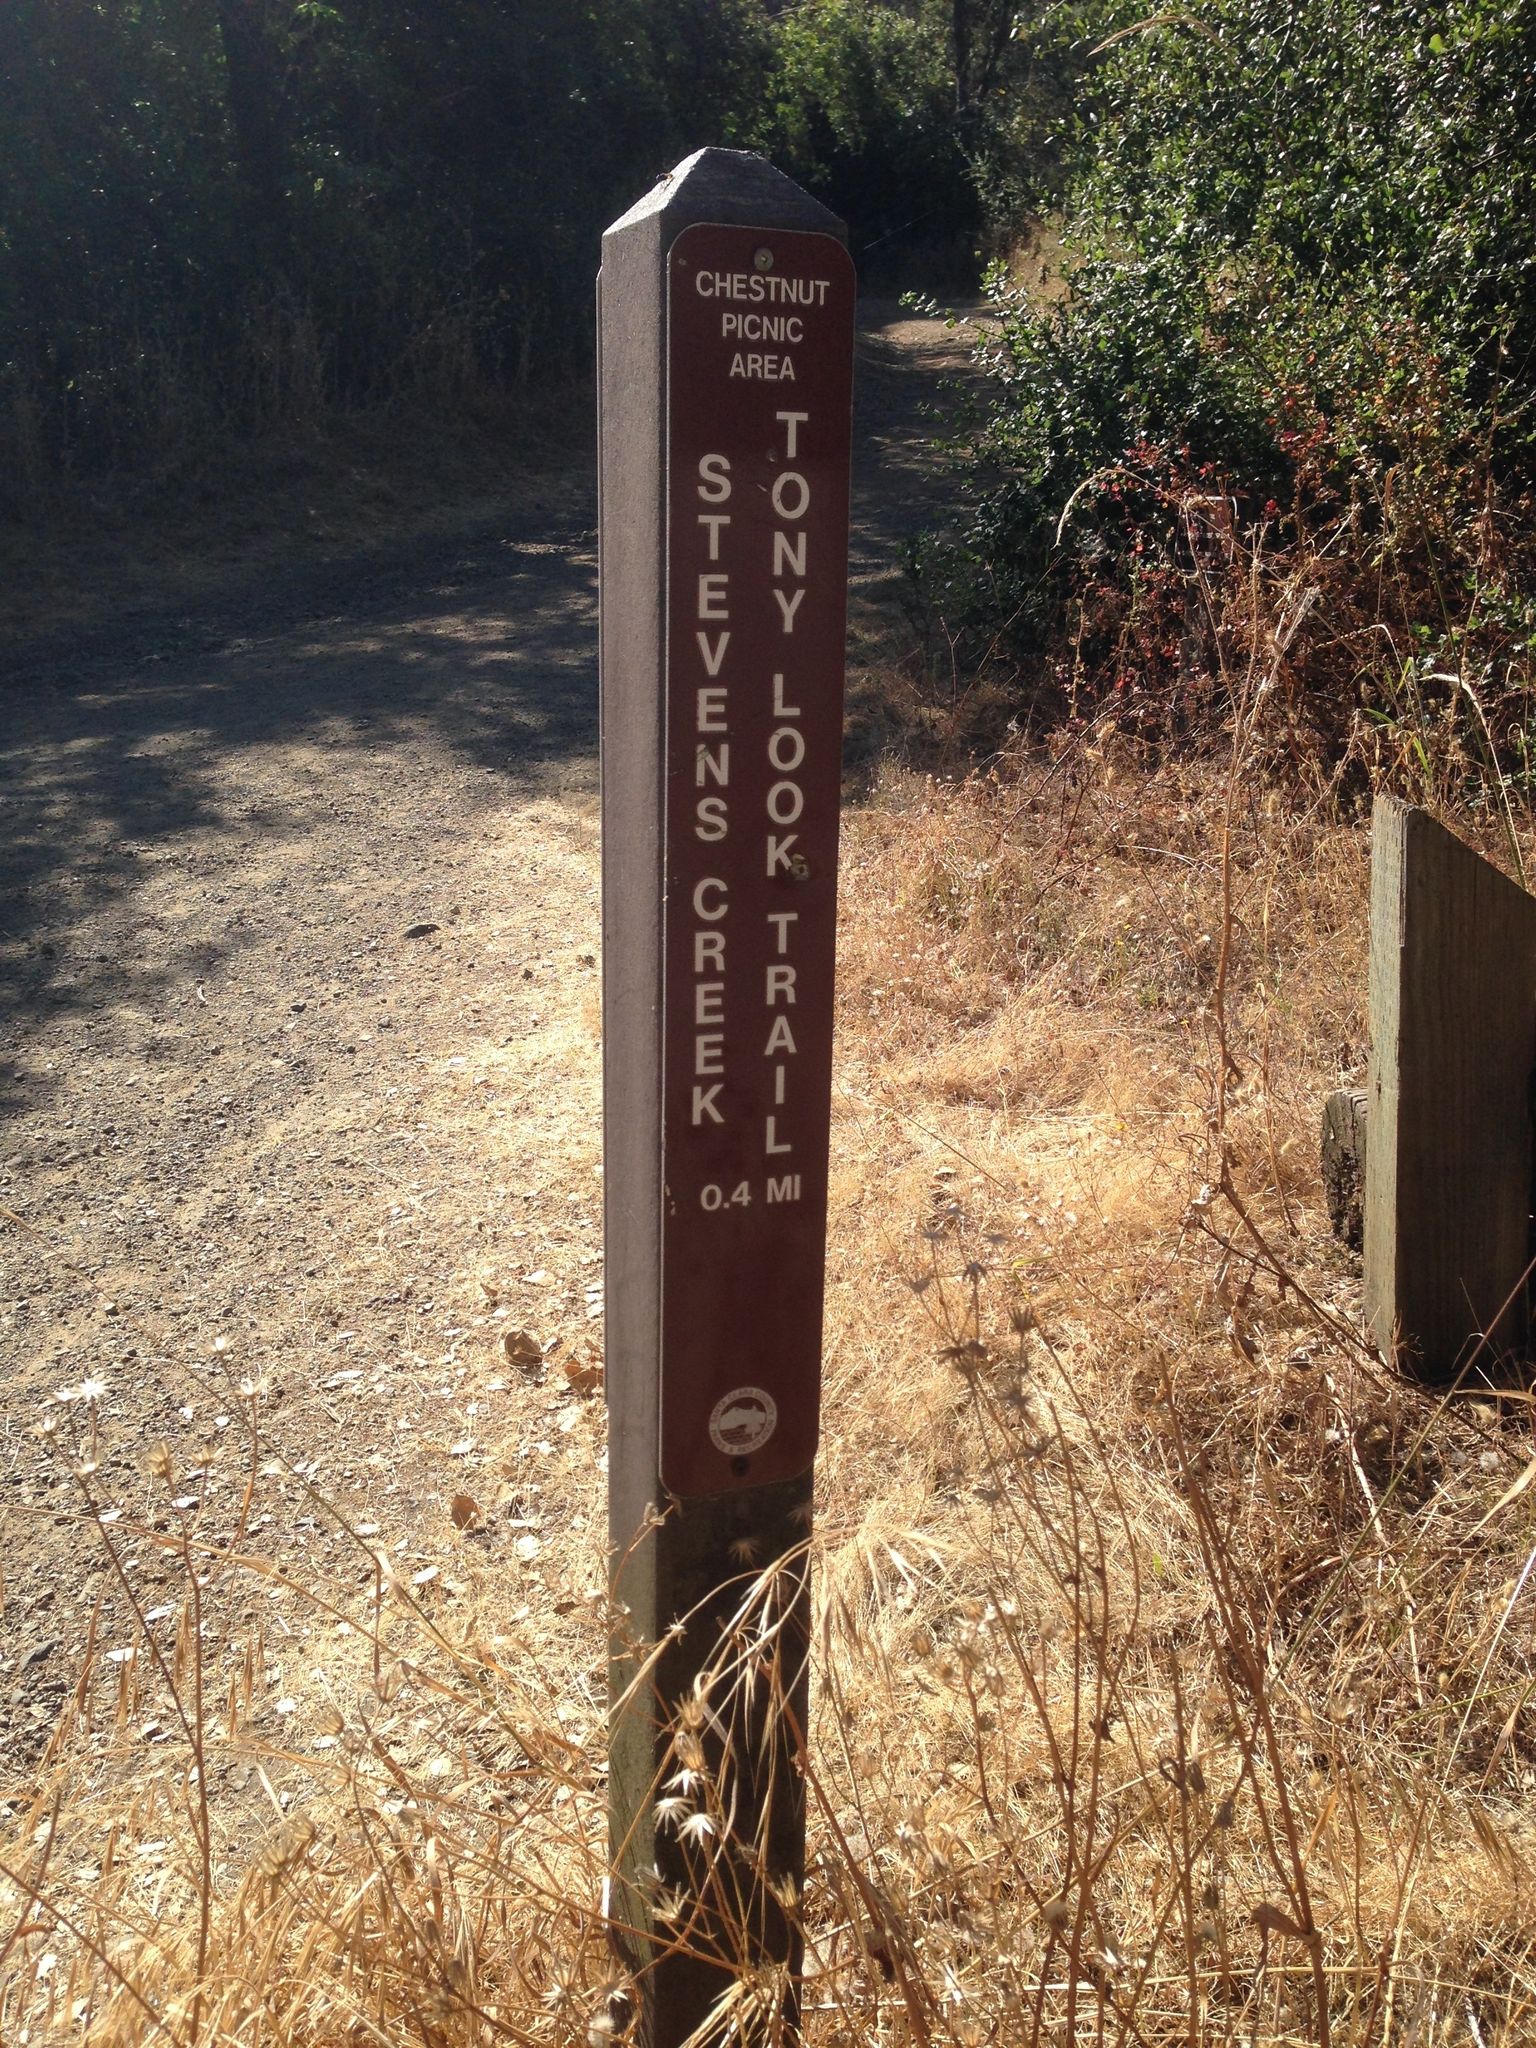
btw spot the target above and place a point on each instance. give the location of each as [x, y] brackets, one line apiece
[743, 1421]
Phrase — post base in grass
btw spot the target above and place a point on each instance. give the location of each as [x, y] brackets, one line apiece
[706, 1773]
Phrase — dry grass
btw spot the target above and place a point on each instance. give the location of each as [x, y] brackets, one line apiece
[1204, 1703]
[1174, 1662]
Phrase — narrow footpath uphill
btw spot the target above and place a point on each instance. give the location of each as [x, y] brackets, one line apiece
[299, 1114]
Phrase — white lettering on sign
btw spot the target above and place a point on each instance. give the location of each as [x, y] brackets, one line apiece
[789, 483]
[711, 711]
[708, 959]
[761, 288]
[715, 1078]
[764, 369]
[711, 814]
[780, 708]
[714, 478]
[788, 602]
[786, 800]
[706, 1052]
[758, 366]
[788, 554]
[762, 327]
[704, 1104]
[710, 818]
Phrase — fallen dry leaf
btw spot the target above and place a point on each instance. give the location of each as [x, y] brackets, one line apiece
[465, 1510]
[523, 1349]
[584, 1374]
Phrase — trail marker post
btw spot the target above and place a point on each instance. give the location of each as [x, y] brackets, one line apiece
[726, 305]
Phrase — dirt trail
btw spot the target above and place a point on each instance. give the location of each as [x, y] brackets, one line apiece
[299, 967]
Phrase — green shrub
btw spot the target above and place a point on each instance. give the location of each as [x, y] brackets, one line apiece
[929, 125]
[1297, 340]
[860, 108]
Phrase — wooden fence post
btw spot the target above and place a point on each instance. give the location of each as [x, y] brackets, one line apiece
[726, 342]
[1453, 1048]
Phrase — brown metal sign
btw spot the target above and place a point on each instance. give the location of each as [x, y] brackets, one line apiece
[759, 377]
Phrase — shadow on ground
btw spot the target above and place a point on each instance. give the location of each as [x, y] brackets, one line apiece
[208, 761]
[170, 797]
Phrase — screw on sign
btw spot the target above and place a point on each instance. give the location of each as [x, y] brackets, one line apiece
[726, 345]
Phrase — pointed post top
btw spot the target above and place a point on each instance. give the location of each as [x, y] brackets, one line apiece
[735, 187]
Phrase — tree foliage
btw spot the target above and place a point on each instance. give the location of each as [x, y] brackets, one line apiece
[862, 110]
[235, 213]
[221, 216]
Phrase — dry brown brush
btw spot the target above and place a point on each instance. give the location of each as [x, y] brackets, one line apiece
[1173, 1660]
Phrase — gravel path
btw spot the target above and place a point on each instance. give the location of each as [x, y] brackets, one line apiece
[299, 1093]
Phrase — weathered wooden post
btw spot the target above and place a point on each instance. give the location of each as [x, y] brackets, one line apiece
[1453, 1046]
[726, 344]
[1344, 1139]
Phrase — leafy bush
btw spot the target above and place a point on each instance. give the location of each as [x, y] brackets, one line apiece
[1296, 343]
[860, 108]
